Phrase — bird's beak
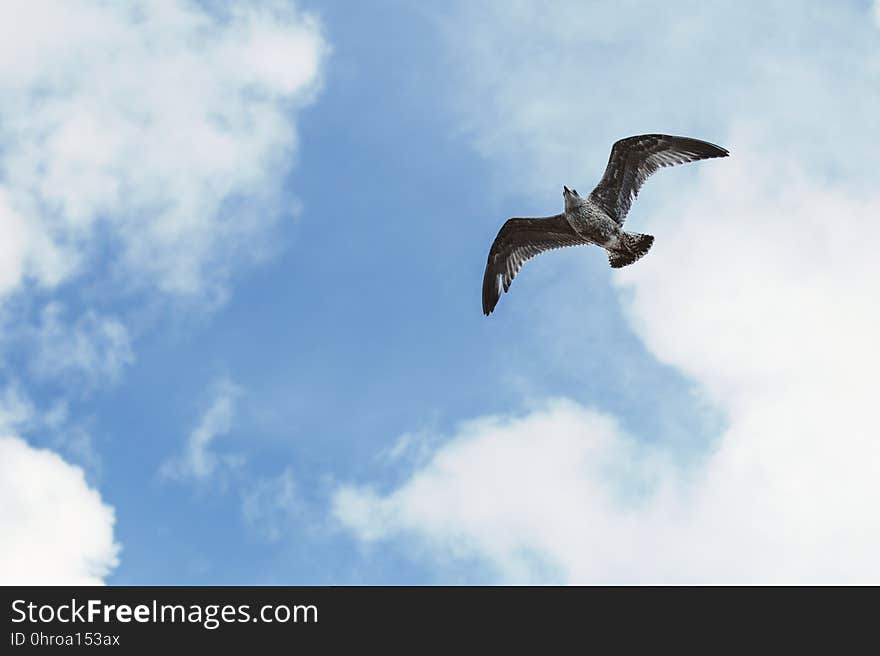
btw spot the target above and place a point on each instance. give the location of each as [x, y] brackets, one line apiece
[566, 190]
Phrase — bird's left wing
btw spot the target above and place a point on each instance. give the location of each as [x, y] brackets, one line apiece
[520, 240]
[634, 159]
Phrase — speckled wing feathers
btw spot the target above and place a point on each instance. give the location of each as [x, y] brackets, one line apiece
[518, 241]
[634, 159]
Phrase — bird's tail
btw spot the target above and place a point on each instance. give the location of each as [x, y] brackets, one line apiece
[632, 246]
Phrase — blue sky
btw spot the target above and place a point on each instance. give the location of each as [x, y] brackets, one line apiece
[240, 294]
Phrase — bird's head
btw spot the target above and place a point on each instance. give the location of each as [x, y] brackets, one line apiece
[569, 195]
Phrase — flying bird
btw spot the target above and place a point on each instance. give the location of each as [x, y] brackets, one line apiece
[594, 219]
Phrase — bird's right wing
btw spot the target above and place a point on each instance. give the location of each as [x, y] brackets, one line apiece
[520, 240]
[635, 159]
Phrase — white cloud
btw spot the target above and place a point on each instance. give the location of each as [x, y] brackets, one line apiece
[56, 529]
[154, 131]
[199, 459]
[270, 505]
[761, 286]
[508, 489]
[90, 350]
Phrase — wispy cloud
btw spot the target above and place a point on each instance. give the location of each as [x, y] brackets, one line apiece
[200, 459]
[19, 415]
[589, 73]
[16, 409]
[13, 245]
[56, 529]
[93, 349]
[271, 505]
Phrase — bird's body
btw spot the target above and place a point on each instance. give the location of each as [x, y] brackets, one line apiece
[594, 219]
[590, 221]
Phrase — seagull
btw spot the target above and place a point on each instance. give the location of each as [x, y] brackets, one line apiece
[594, 219]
